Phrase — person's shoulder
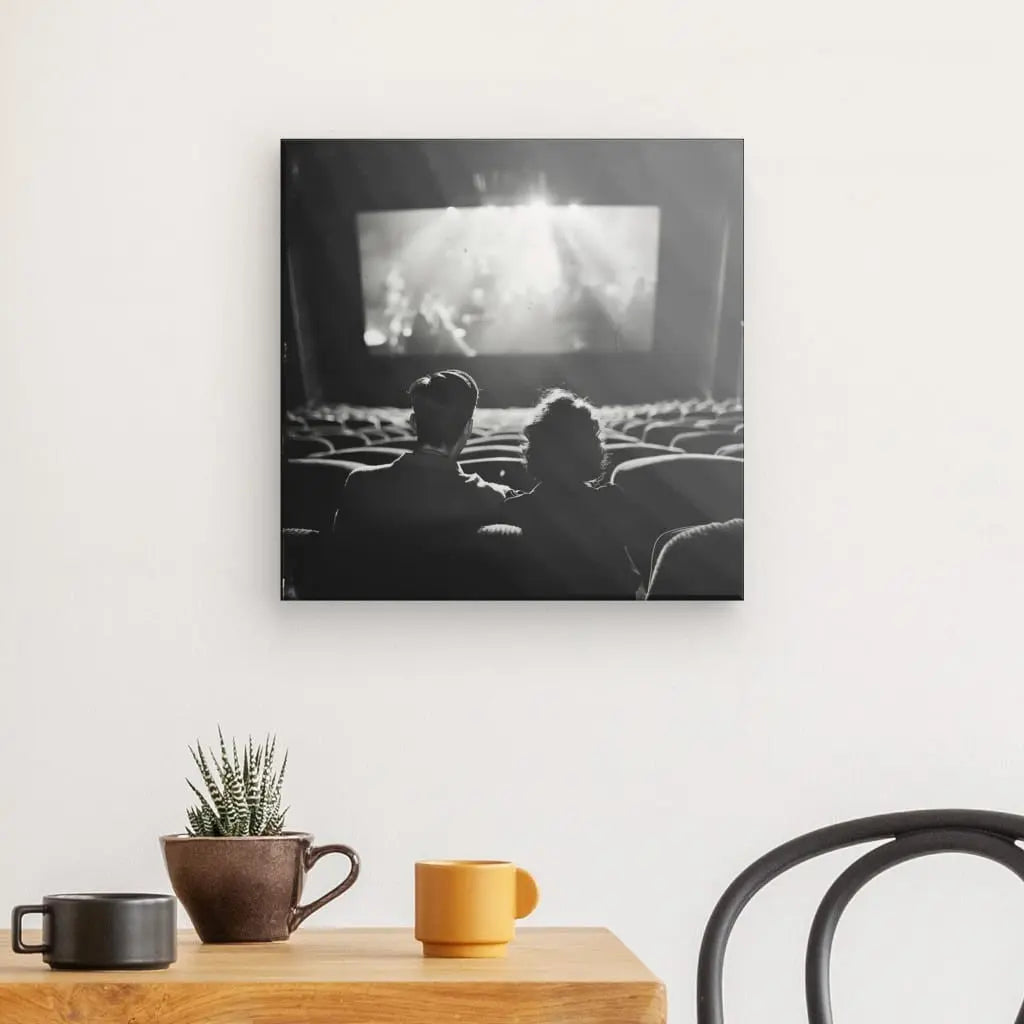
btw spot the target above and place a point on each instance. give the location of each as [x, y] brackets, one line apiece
[368, 475]
[610, 498]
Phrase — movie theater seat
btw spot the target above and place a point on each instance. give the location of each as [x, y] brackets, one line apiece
[670, 491]
[311, 492]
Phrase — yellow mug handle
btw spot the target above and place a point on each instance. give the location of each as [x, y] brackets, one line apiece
[527, 894]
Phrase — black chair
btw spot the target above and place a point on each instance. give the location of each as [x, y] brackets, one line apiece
[300, 551]
[662, 431]
[616, 453]
[702, 442]
[634, 428]
[699, 562]
[670, 491]
[370, 455]
[454, 564]
[491, 451]
[341, 438]
[617, 437]
[659, 546]
[731, 451]
[989, 834]
[407, 444]
[311, 491]
[301, 447]
[512, 563]
[498, 437]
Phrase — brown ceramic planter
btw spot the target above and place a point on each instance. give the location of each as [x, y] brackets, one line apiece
[247, 888]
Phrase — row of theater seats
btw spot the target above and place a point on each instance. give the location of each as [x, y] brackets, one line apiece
[669, 460]
[497, 562]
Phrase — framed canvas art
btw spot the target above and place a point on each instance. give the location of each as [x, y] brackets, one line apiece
[512, 369]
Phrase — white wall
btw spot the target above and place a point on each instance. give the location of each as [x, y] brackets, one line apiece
[634, 757]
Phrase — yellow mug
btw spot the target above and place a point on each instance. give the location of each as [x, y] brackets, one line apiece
[469, 908]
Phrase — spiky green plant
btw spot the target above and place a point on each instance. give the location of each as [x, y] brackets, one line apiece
[243, 798]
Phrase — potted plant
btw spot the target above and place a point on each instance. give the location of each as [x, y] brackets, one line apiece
[236, 870]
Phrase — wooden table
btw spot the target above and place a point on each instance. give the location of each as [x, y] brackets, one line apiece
[350, 976]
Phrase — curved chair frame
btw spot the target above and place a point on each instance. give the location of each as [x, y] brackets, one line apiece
[989, 834]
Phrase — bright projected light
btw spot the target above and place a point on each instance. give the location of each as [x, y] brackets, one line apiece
[509, 280]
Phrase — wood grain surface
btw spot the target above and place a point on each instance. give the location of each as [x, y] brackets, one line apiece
[348, 976]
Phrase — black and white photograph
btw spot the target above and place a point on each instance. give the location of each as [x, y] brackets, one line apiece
[512, 369]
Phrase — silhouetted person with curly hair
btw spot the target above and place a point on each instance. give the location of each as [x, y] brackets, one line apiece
[577, 530]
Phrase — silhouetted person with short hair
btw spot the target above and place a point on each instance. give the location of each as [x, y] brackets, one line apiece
[578, 531]
[399, 524]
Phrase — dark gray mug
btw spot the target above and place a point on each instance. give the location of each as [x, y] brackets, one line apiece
[102, 931]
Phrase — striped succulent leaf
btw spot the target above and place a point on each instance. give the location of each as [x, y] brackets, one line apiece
[226, 806]
[243, 791]
[210, 822]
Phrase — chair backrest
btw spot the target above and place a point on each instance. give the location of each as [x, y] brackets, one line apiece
[492, 451]
[662, 431]
[617, 452]
[341, 438]
[659, 546]
[699, 562]
[731, 451]
[361, 423]
[415, 564]
[510, 472]
[311, 492]
[669, 491]
[299, 563]
[511, 562]
[702, 442]
[407, 444]
[634, 427]
[300, 447]
[498, 437]
[729, 419]
[989, 834]
[618, 437]
[369, 455]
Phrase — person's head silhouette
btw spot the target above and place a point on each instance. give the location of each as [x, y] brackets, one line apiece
[443, 404]
[563, 441]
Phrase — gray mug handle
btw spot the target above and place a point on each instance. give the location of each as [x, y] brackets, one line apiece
[18, 914]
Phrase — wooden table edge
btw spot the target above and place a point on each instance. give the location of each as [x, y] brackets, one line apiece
[56, 997]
